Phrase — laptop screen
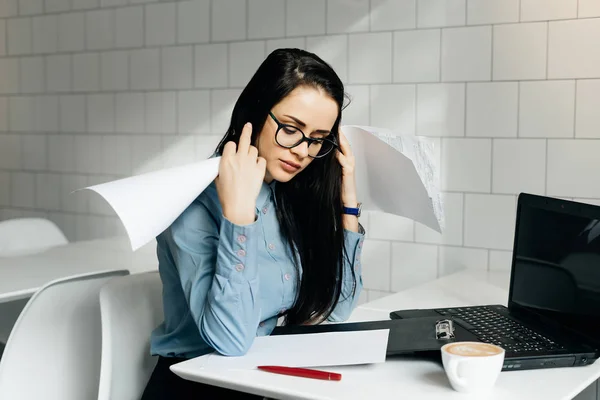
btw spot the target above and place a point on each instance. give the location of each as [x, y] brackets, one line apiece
[556, 262]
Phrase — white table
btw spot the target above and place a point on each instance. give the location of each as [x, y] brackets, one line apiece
[406, 377]
[22, 276]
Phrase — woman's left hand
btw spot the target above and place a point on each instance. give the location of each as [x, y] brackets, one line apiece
[347, 161]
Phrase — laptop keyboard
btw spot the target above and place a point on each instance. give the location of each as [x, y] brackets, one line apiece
[492, 327]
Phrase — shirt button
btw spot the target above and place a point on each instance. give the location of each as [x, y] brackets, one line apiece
[239, 267]
[261, 324]
[264, 210]
[283, 310]
[271, 246]
[287, 277]
[241, 253]
[360, 244]
[241, 238]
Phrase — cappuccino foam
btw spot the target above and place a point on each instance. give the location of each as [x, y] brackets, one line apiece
[473, 349]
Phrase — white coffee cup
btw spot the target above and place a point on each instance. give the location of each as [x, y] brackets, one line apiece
[472, 366]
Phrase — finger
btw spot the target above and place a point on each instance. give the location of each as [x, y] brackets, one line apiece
[229, 149]
[253, 152]
[245, 138]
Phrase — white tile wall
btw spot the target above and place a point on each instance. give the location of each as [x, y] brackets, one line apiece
[193, 21]
[492, 11]
[492, 109]
[393, 14]
[93, 90]
[542, 10]
[243, 59]
[519, 165]
[587, 119]
[305, 17]
[347, 16]
[376, 261]
[454, 259]
[209, 61]
[434, 13]
[129, 27]
[228, 20]
[266, 19]
[547, 109]
[162, 18]
[572, 48]
[466, 165]
[417, 56]
[588, 8]
[370, 58]
[467, 54]
[572, 167]
[71, 31]
[520, 51]
[489, 221]
[500, 260]
[393, 107]
[441, 109]
[412, 264]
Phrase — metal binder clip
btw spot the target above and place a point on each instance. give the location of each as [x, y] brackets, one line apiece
[444, 329]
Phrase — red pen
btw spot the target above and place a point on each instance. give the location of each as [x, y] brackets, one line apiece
[302, 372]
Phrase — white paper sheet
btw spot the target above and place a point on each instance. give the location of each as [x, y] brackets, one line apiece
[308, 350]
[147, 204]
[394, 174]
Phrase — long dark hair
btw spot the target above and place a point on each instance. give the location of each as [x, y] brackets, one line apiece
[309, 207]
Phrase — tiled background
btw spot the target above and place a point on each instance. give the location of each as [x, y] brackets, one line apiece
[94, 90]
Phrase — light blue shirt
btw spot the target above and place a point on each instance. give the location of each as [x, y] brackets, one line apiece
[224, 284]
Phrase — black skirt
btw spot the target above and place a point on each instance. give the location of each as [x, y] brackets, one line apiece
[165, 385]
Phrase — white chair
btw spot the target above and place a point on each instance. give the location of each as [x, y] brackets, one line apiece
[131, 308]
[22, 236]
[54, 349]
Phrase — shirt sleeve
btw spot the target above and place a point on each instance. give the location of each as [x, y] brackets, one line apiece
[353, 242]
[218, 270]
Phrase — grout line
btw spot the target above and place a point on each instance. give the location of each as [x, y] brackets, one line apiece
[493, 141]
[489, 260]
[464, 220]
[464, 132]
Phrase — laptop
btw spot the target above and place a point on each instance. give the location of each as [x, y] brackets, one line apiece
[553, 313]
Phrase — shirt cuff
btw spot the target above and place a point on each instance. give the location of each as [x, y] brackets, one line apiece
[353, 242]
[238, 248]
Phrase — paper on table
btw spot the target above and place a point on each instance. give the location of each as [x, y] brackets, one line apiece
[306, 350]
[394, 175]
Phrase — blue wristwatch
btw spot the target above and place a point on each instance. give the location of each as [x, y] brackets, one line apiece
[353, 211]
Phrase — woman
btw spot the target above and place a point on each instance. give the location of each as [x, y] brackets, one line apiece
[277, 233]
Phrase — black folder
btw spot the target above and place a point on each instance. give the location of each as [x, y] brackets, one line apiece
[406, 336]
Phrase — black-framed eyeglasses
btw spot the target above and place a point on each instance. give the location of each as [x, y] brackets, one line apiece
[289, 136]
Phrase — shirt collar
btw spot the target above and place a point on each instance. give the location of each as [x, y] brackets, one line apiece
[264, 195]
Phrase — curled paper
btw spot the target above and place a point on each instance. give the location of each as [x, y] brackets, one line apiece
[386, 176]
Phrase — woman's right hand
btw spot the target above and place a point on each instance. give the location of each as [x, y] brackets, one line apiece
[241, 174]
